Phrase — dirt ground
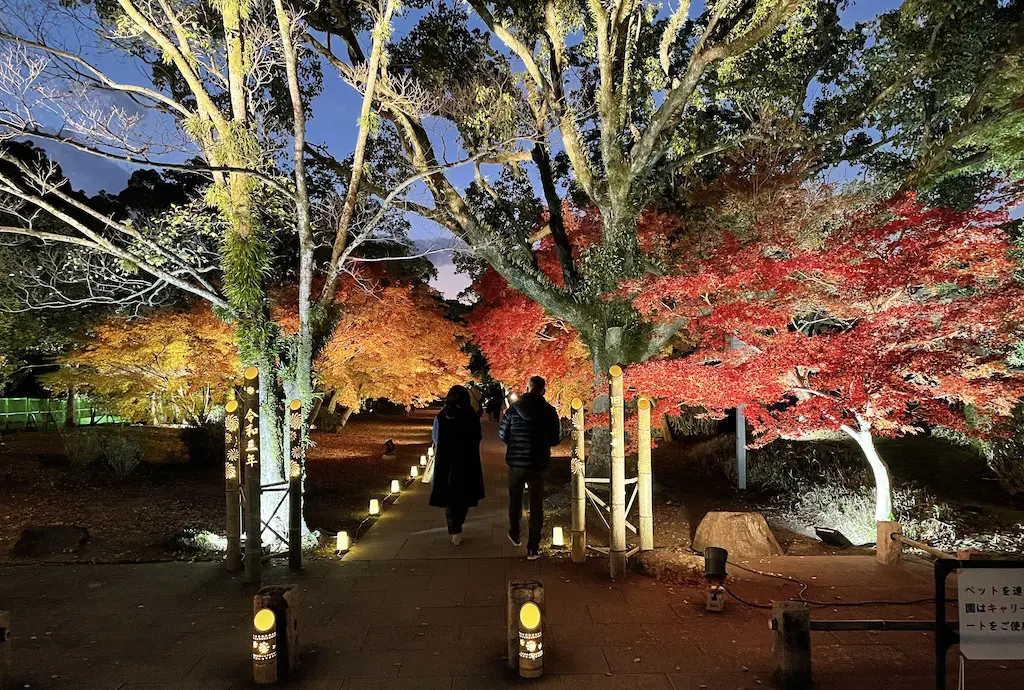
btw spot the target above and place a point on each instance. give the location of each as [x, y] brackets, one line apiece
[139, 518]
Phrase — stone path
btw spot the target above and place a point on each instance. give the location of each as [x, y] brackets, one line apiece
[406, 610]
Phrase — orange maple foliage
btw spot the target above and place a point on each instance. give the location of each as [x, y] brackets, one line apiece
[392, 341]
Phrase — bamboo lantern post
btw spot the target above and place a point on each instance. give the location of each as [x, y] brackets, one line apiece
[296, 466]
[579, 486]
[617, 540]
[232, 426]
[250, 442]
[644, 482]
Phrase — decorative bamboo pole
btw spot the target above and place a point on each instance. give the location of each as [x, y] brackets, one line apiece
[250, 442]
[232, 472]
[644, 483]
[296, 467]
[579, 486]
[617, 540]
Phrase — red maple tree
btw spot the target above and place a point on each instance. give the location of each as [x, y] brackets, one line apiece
[902, 318]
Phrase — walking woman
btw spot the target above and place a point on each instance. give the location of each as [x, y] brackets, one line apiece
[458, 482]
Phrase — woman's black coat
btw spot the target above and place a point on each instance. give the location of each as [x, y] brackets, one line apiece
[458, 476]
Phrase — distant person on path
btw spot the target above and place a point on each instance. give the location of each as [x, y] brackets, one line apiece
[476, 399]
[494, 404]
[530, 428]
[458, 482]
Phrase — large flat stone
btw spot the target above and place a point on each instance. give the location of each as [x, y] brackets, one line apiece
[744, 535]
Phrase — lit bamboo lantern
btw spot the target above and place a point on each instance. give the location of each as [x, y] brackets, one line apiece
[249, 409]
[414, 472]
[342, 542]
[578, 524]
[396, 486]
[264, 647]
[617, 537]
[430, 452]
[525, 624]
[423, 461]
[232, 478]
[296, 463]
[644, 481]
[374, 506]
[557, 537]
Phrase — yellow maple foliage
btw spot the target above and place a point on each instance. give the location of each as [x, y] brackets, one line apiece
[171, 366]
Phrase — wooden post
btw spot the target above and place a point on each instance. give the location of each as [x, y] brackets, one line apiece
[791, 646]
[296, 466]
[250, 448]
[519, 593]
[617, 537]
[741, 448]
[232, 472]
[665, 427]
[579, 487]
[644, 481]
[6, 653]
[888, 550]
[70, 413]
[282, 601]
[741, 433]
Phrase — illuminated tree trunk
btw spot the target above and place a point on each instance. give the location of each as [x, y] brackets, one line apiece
[883, 484]
[345, 416]
[70, 413]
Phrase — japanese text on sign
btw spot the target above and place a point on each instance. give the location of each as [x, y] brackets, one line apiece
[991, 613]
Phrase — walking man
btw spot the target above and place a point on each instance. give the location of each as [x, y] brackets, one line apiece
[530, 428]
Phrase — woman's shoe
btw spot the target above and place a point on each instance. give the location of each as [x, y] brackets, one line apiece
[456, 540]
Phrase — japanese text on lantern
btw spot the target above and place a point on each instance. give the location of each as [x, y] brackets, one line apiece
[991, 613]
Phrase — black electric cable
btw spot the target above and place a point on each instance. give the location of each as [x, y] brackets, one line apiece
[804, 587]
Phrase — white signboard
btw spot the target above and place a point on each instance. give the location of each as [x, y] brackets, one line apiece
[991, 613]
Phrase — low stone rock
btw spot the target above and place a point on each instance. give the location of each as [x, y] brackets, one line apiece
[51, 540]
[743, 535]
[678, 566]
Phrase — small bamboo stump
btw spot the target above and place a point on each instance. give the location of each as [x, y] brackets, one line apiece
[282, 601]
[519, 593]
[791, 646]
[6, 653]
[887, 549]
[579, 486]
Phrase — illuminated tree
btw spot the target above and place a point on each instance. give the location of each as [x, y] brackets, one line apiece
[901, 319]
[627, 110]
[172, 366]
[392, 341]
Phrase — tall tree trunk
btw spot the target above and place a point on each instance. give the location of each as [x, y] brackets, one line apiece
[304, 346]
[70, 413]
[345, 416]
[883, 483]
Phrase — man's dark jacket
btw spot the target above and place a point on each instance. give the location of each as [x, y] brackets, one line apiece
[530, 428]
